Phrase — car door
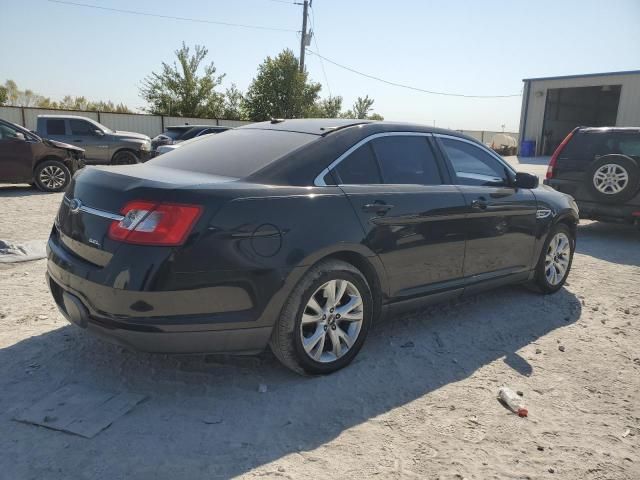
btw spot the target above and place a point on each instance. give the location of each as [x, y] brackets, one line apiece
[16, 157]
[501, 224]
[411, 218]
[88, 136]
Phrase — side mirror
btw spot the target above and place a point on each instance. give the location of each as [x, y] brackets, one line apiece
[20, 136]
[526, 180]
[98, 133]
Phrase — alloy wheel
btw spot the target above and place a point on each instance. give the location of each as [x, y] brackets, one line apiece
[556, 262]
[52, 177]
[331, 321]
[610, 179]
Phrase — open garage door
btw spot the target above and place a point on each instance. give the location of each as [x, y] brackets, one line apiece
[567, 108]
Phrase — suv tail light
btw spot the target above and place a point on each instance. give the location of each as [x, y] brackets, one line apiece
[150, 223]
[556, 154]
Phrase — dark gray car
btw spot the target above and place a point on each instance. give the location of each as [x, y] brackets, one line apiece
[100, 143]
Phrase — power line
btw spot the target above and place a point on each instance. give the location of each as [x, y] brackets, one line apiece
[170, 17]
[409, 87]
[315, 41]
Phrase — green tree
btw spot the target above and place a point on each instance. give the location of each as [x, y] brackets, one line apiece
[361, 109]
[279, 90]
[3, 95]
[330, 107]
[233, 100]
[180, 90]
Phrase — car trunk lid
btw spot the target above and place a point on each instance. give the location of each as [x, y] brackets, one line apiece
[96, 196]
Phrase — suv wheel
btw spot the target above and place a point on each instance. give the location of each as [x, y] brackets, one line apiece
[325, 320]
[613, 178]
[555, 259]
[52, 176]
[124, 157]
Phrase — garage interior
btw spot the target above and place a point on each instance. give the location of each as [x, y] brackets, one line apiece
[567, 108]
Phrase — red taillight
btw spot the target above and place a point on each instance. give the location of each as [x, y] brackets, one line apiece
[149, 223]
[556, 154]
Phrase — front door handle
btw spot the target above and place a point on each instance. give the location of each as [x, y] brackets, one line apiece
[77, 141]
[377, 207]
[479, 204]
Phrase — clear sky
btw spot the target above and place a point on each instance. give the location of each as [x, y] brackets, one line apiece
[471, 47]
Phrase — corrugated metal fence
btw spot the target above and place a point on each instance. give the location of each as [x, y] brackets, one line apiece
[485, 136]
[151, 125]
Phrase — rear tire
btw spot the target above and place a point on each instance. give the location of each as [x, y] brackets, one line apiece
[333, 332]
[555, 259]
[125, 157]
[52, 176]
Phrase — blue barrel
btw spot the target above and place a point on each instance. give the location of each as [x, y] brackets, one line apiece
[528, 148]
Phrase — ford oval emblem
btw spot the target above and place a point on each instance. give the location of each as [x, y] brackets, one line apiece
[75, 205]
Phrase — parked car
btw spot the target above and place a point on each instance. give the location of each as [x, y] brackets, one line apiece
[27, 158]
[100, 143]
[298, 234]
[600, 168]
[180, 143]
[179, 133]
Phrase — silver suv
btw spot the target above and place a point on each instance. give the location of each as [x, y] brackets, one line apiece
[100, 143]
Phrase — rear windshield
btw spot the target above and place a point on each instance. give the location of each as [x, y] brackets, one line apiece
[587, 146]
[237, 153]
[175, 133]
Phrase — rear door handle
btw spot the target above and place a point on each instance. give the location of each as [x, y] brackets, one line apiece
[377, 207]
[479, 204]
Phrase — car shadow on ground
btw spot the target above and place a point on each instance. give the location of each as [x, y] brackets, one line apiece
[20, 191]
[611, 242]
[205, 416]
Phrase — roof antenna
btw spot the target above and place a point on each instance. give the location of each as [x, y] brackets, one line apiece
[277, 120]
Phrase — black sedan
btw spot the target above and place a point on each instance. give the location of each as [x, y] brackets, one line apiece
[298, 234]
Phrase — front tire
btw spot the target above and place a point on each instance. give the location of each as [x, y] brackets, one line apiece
[325, 320]
[555, 260]
[52, 176]
[125, 157]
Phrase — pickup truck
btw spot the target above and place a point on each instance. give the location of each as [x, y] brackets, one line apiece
[101, 144]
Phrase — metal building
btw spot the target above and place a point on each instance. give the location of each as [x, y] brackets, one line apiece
[553, 106]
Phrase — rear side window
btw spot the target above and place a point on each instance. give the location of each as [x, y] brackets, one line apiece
[359, 168]
[55, 127]
[407, 160]
[238, 153]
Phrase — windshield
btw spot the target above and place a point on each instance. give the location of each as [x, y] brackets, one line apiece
[237, 153]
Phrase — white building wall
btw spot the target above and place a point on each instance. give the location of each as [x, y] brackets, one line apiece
[628, 110]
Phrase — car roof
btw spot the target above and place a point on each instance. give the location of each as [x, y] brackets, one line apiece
[189, 127]
[327, 126]
[65, 116]
[609, 129]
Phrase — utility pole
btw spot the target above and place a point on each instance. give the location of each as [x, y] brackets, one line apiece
[303, 38]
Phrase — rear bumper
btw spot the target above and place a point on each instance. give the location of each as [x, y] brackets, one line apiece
[157, 335]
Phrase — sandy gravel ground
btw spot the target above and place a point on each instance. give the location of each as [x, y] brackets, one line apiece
[419, 401]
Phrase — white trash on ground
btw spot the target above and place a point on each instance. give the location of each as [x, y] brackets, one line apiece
[11, 252]
[513, 401]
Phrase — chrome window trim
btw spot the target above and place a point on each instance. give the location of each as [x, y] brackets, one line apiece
[478, 145]
[319, 180]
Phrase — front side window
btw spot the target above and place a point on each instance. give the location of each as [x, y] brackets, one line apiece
[7, 132]
[80, 127]
[472, 165]
[407, 159]
[359, 168]
[55, 127]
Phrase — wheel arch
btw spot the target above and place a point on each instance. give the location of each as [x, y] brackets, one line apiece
[366, 262]
[124, 149]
